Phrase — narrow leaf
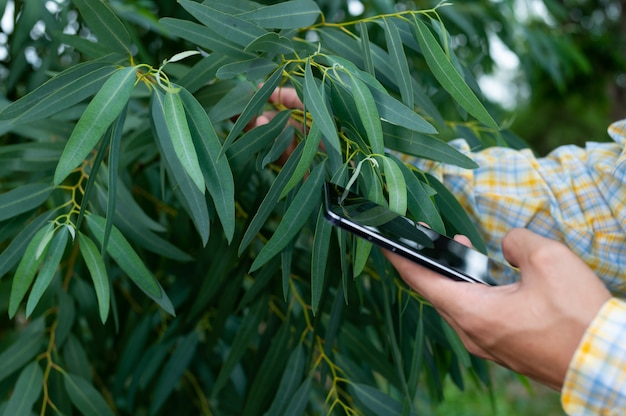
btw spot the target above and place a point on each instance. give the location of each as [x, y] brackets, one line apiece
[240, 31]
[369, 114]
[23, 199]
[294, 14]
[315, 103]
[301, 398]
[85, 397]
[365, 48]
[176, 122]
[319, 258]
[27, 390]
[449, 77]
[27, 269]
[306, 200]
[311, 147]
[289, 382]
[396, 186]
[252, 108]
[98, 116]
[98, 272]
[195, 200]
[377, 402]
[23, 349]
[128, 260]
[48, 268]
[217, 173]
[399, 62]
[59, 93]
[105, 24]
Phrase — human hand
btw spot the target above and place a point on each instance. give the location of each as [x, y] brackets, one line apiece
[533, 326]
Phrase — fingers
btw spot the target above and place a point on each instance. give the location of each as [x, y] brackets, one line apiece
[287, 97]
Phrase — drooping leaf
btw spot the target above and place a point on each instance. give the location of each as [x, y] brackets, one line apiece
[217, 172]
[98, 272]
[315, 103]
[27, 269]
[174, 369]
[23, 199]
[238, 30]
[256, 68]
[319, 258]
[125, 256]
[27, 390]
[48, 268]
[254, 105]
[365, 47]
[301, 398]
[27, 344]
[59, 93]
[271, 43]
[193, 197]
[105, 24]
[311, 147]
[289, 382]
[85, 397]
[305, 201]
[449, 77]
[375, 400]
[176, 122]
[396, 186]
[368, 113]
[294, 14]
[399, 61]
[96, 119]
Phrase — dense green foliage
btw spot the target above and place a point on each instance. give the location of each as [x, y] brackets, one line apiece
[156, 256]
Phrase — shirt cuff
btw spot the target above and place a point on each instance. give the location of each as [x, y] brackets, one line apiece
[595, 383]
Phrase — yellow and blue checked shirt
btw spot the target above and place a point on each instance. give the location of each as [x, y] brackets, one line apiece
[577, 196]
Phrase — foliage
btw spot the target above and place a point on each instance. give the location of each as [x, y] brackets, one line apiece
[158, 256]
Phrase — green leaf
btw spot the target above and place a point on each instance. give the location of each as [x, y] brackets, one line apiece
[396, 186]
[121, 251]
[449, 77]
[294, 14]
[369, 114]
[365, 48]
[456, 344]
[289, 382]
[300, 399]
[454, 212]
[23, 349]
[174, 369]
[417, 357]
[246, 333]
[315, 103]
[176, 123]
[231, 27]
[27, 269]
[271, 43]
[195, 200]
[252, 108]
[85, 397]
[256, 68]
[15, 251]
[311, 147]
[375, 400]
[362, 249]
[306, 200]
[217, 173]
[420, 145]
[59, 93]
[23, 199]
[399, 62]
[27, 390]
[98, 272]
[105, 24]
[319, 257]
[103, 109]
[48, 268]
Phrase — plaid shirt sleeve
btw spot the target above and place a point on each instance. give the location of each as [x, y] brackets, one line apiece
[574, 195]
[577, 196]
[595, 383]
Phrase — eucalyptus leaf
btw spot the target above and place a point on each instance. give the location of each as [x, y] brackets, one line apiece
[449, 77]
[105, 24]
[396, 186]
[103, 109]
[319, 258]
[375, 400]
[85, 397]
[289, 382]
[294, 14]
[399, 61]
[27, 345]
[305, 201]
[98, 272]
[26, 392]
[23, 199]
[315, 103]
[311, 147]
[125, 256]
[368, 113]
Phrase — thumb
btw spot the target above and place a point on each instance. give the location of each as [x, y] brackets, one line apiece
[520, 245]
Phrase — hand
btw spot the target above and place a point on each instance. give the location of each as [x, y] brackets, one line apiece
[533, 326]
